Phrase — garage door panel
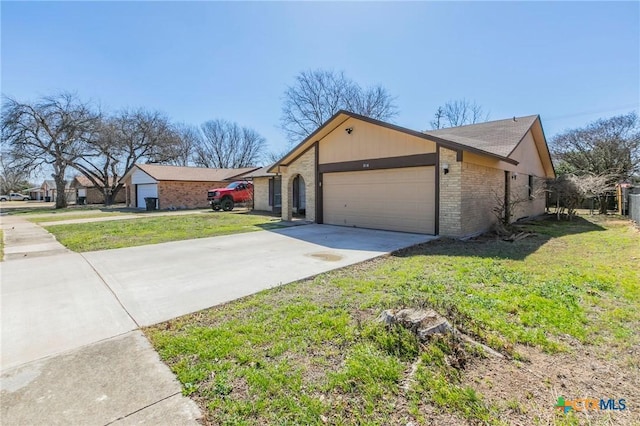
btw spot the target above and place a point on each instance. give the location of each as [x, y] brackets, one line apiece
[394, 199]
[146, 190]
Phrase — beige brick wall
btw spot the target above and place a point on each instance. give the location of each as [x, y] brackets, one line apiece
[482, 190]
[450, 195]
[178, 194]
[305, 167]
[261, 194]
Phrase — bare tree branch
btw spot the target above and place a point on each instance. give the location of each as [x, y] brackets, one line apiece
[317, 95]
[605, 147]
[227, 145]
[458, 113]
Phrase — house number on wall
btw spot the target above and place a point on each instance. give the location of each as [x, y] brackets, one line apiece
[365, 165]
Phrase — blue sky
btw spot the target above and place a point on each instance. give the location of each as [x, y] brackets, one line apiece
[570, 62]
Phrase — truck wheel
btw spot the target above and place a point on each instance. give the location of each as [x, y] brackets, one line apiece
[227, 204]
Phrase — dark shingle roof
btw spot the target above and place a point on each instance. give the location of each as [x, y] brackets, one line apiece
[498, 137]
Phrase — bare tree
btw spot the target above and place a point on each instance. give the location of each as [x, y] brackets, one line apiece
[458, 113]
[121, 141]
[317, 95]
[53, 131]
[605, 147]
[189, 138]
[275, 156]
[14, 176]
[227, 145]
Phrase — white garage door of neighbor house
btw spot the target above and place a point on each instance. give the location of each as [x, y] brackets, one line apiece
[392, 199]
[146, 190]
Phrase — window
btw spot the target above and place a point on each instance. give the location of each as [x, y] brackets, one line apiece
[530, 187]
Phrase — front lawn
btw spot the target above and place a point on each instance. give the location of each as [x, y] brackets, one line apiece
[563, 307]
[87, 214]
[152, 230]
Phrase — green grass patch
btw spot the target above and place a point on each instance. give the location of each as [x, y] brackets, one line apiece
[73, 216]
[152, 230]
[312, 352]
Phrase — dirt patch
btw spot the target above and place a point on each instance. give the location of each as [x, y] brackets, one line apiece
[528, 391]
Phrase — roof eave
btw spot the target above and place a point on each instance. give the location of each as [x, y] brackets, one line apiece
[460, 147]
[423, 135]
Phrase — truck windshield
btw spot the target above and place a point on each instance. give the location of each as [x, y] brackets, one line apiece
[233, 185]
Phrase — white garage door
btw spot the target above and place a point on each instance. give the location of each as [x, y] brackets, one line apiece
[146, 190]
[393, 199]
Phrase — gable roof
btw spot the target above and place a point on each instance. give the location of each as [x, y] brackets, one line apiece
[193, 174]
[498, 137]
[50, 183]
[261, 172]
[84, 181]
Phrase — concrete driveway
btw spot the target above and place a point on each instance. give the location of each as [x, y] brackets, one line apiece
[71, 352]
[163, 281]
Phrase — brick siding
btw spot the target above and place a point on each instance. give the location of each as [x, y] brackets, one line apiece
[305, 167]
[482, 189]
[184, 195]
[450, 195]
[261, 194]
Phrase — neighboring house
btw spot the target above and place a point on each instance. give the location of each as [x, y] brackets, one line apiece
[83, 187]
[49, 191]
[267, 190]
[36, 193]
[175, 187]
[48, 188]
[361, 172]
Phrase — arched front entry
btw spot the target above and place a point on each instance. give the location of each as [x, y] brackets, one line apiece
[299, 198]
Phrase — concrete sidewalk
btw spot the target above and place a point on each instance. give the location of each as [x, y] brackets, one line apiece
[23, 239]
[118, 381]
[68, 352]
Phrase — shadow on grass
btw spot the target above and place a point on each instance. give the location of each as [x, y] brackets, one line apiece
[490, 246]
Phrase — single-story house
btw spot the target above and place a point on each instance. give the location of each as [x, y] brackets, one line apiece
[267, 190]
[361, 172]
[174, 186]
[36, 193]
[49, 191]
[93, 194]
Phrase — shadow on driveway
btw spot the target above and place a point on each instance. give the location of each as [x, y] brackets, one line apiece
[349, 238]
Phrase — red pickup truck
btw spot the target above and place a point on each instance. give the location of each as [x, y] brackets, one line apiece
[227, 198]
